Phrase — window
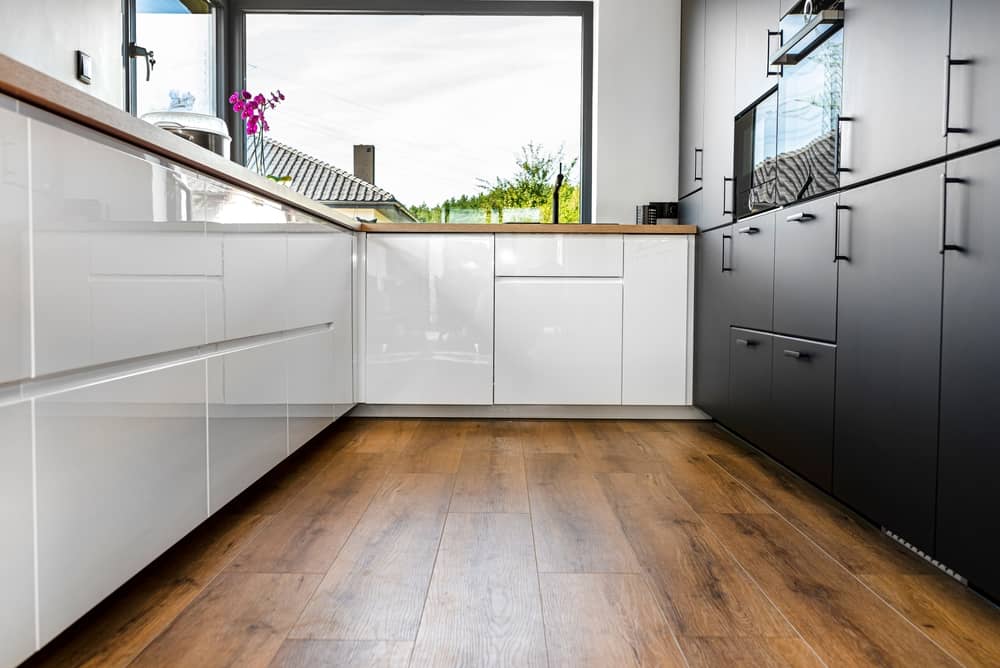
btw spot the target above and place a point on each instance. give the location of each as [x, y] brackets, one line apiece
[450, 118]
[181, 35]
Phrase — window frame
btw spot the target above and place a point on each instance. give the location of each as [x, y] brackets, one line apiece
[235, 38]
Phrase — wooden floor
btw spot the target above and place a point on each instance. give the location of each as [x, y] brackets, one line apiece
[533, 543]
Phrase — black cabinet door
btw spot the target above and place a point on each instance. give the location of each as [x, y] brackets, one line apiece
[888, 350]
[711, 321]
[975, 84]
[802, 405]
[720, 64]
[968, 535]
[756, 40]
[753, 271]
[894, 56]
[750, 386]
[805, 274]
[692, 100]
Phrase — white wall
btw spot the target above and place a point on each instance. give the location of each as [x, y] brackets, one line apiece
[637, 84]
[45, 34]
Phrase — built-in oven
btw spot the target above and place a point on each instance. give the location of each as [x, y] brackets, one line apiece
[787, 144]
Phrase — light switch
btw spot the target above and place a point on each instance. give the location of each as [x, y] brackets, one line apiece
[84, 67]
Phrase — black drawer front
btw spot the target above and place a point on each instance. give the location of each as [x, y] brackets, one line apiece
[802, 391]
[750, 385]
[805, 274]
[753, 272]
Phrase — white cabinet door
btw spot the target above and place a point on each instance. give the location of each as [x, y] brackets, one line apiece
[558, 341]
[656, 321]
[559, 255]
[429, 319]
[14, 255]
[17, 570]
[121, 477]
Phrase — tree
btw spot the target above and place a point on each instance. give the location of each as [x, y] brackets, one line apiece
[530, 187]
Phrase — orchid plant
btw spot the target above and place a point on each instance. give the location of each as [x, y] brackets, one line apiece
[252, 109]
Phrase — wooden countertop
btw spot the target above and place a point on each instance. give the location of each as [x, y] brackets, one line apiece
[382, 228]
[40, 90]
[21, 82]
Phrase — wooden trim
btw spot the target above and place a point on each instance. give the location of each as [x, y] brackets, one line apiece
[382, 228]
[40, 90]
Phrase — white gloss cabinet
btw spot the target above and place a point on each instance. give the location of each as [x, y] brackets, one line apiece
[121, 476]
[559, 255]
[17, 570]
[558, 341]
[429, 319]
[656, 320]
[14, 290]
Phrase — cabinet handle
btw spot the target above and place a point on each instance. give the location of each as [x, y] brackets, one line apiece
[943, 244]
[749, 229]
[726, 267]
[699, 152]
[837, 255]
[840, 143]
[726, 210]
[767, 63]
[946, 128]
[746, 343]
[800, 217]
[796, 354]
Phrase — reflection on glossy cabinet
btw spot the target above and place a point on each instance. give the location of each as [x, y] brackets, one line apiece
[656, 320]
[17, 570]
[429, 319]
[320, 385]
[14, 290]
[248, 421]
[119, 266]
[121, 477]
[559, 255]
[558, 341]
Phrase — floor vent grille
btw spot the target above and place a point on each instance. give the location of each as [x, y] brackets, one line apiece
[926, 557]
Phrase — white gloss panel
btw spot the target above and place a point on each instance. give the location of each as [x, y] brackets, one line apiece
[254, 281]
[655, 320]
[17, 570]
[121, 477]
[559, 255]
[247, 419]
[558, 341]
[429, 319]
[14, 255]
[118, 252]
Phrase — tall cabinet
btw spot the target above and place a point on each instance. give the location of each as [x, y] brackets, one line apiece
[720, 63]
[973, 73]
[693, 97]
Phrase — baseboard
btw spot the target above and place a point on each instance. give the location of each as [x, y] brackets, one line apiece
[525, 411]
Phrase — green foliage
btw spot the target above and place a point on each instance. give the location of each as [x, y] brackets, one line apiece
[529, 187]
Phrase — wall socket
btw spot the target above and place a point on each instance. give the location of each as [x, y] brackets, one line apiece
[84, 67]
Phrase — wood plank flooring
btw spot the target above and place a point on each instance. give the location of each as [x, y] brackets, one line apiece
[533, 543]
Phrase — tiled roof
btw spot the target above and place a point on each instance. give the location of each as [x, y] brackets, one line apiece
[314, 178]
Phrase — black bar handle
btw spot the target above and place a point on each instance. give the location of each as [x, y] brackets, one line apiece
[697, 152]
[726, 211]
[946, 128]
[749, 229]
[841, 119]
[800, 217]
[767, 63]
[726, 267]
[796, 354]
[748, 343]
[837, 255]
[943, 244]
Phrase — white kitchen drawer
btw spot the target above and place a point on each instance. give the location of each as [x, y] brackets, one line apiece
[597, 255]
[17, 570]
[558, 341]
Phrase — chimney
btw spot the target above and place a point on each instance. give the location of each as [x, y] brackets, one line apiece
[364, 162]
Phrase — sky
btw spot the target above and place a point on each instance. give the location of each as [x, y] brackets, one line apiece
[445, 99]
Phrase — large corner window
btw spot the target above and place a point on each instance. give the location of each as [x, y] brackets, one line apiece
[173, 60]
[427, 117]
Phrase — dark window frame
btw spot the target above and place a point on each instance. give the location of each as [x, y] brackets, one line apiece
[235, 39]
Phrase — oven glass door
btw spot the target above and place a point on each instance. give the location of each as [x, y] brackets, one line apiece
[756, 152]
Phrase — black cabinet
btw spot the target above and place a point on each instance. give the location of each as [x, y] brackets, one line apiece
[750, 385]
[805, 274]
[711, 321]
[974, 73]
[692, 98]
[968, 535]
[894, 56]
[802, 380]
[888, 351]
[753, 271]
[757, 37]
[720, 64]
